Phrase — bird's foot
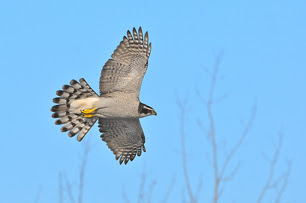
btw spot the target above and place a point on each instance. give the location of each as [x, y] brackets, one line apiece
[88, 113]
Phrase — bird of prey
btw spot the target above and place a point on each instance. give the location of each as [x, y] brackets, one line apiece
[117, 107]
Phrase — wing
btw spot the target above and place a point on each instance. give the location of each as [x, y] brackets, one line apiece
[125, 71]
[124, 136]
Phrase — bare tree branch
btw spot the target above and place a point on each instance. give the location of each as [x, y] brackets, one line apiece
[219, 173]
[153, 184]
[238, 144]
[198, 189]
[231, 175]
[63, 179]
[200, 96]
[69, 189]
[82, 171]
[282, 179]
[267, 185]
[169, 190]
[211, 130]
[207, 71]
[203, 128]
[60, 187]
[141, 188]
[285, 182]
[182, 106]
[124, 196]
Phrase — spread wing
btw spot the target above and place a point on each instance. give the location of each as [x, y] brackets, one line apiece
[124, 136]
[125, 71]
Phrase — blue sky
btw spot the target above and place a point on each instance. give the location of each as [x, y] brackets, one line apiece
[44, 45]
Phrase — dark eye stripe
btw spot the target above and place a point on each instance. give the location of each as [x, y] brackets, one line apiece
[145, 110]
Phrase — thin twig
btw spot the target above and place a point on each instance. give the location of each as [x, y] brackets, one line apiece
[200, 96]
[268, 185]
[182, 107]
[203, 128]
[238, 144]
[231, 175]
[219, 173]
[153, 184]
[285, 182]
[141, 189]
[212, 127]
[169, 190]
[60, 187]
[124, 196]
[82, 172]
[69, 189]
[198, 189]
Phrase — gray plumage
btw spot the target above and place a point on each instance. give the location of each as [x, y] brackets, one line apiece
[124, 136]
[118, 107]
[129, 64]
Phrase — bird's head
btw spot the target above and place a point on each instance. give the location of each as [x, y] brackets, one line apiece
[145, 110]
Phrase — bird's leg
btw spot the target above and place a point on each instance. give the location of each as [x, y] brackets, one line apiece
[88, 113]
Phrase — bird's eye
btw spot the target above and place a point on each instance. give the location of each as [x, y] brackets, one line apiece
[145, 111]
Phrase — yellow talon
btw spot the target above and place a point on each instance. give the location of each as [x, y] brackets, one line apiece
[87, 113]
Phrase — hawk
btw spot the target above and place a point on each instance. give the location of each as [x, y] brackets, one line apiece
[117, 108]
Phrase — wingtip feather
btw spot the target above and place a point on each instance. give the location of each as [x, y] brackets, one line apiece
[130, 37]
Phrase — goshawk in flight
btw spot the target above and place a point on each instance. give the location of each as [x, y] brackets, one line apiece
[117, 107]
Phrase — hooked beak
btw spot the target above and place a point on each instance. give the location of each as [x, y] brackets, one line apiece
[154, 113]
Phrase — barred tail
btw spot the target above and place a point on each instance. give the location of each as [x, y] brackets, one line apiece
[74, 122]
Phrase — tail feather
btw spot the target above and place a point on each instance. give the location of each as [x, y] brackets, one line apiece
[84, 131]
[87, 87]
[59, 100]
[62, 93]
[60, 108]
[59, 114]
[76, 129]
[68, 89]
[65, 119]
[74, 122]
